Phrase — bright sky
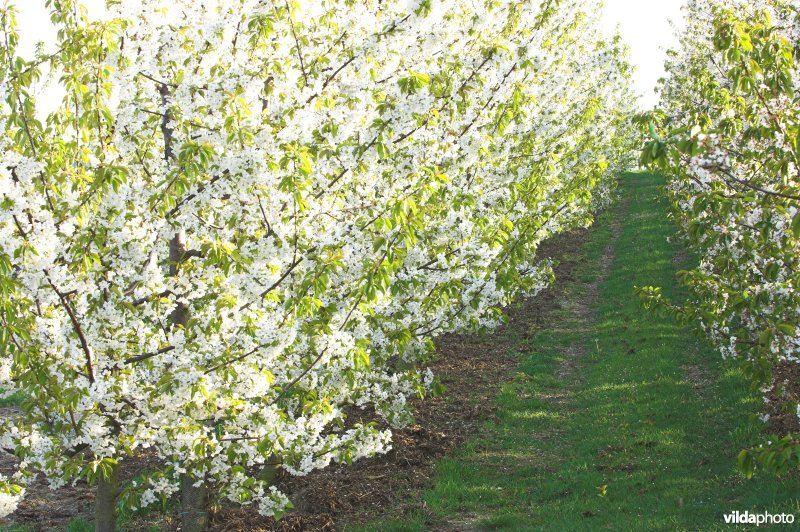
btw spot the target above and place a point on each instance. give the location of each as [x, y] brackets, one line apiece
[644, 24]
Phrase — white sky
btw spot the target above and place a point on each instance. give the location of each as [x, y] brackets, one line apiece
[644, 24]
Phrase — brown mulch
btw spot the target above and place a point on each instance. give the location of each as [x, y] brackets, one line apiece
[785, 391]
[42, 508]
[47, 509]
[472, 367]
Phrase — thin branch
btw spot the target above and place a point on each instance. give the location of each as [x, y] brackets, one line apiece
[145, 356]
[330, 78]
[77, 328]
[297, 44]
[147, 76]
[757, 188]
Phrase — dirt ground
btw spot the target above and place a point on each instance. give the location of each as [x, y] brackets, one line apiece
[785, 391]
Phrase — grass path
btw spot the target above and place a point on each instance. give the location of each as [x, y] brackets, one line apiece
[616, 419]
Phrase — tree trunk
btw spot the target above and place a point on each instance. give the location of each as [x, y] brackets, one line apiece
[270, 470]
[193, 499]
[193, 505]
[105, 504]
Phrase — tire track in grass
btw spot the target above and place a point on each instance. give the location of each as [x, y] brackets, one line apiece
[579, 303]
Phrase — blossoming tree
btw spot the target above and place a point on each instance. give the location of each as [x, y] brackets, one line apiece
[727, 139]
[233, 241]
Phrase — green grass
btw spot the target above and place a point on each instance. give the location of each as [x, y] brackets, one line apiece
[14, 399]
[642, 434]
[80, 525]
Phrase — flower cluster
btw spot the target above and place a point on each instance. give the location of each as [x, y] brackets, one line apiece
[10, 495]
[233, 242]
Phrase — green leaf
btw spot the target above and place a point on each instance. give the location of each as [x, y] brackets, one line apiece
[383, 151]
[653, 134]
[746, 464]
[796, 225]
[305, 164]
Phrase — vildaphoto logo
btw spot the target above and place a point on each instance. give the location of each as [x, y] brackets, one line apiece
[764, 518]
